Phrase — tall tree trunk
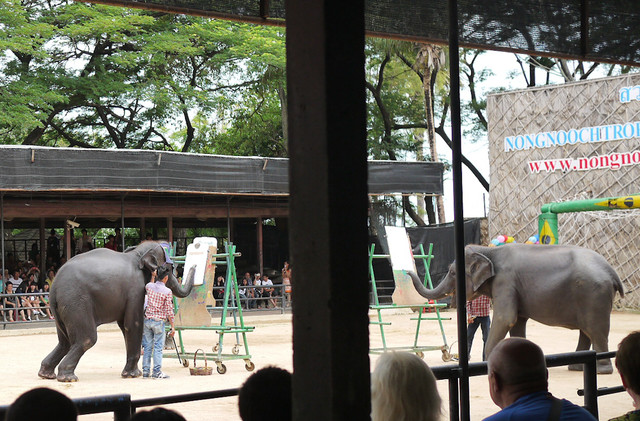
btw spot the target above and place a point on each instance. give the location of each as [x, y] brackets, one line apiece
[284, 113]
[431, 131]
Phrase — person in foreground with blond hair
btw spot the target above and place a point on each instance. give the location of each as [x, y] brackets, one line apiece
[403, 388]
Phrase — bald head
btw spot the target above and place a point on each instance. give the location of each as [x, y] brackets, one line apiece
[516, 368]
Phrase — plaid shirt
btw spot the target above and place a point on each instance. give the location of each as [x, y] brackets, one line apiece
[159, 302]
[479, 307]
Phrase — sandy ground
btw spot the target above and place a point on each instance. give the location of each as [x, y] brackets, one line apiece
[270, 344]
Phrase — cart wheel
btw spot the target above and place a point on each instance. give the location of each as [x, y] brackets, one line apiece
[249, 366]
[215, 348]
[446, 356]
[222, 368]
[185, 362]
[420, 354]
[235, 350]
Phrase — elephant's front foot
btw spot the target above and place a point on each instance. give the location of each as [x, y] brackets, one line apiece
[604, 367]
[131, 373]
[67, 378]
[46, 373]
[576, 367]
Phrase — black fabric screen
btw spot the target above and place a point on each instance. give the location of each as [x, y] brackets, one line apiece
[595, 30]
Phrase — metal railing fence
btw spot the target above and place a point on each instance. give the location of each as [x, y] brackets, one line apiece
[123, 407]
[26, 308]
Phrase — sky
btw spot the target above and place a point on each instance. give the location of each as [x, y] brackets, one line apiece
[475, 197]
[507, 75]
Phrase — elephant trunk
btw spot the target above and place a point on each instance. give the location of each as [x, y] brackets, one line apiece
[181, 291]
[444, 288]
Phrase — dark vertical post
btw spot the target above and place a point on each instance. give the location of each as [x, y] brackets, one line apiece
[170, 230]
[67, 241]
[590, 376]
[259, 245]
[2, 232]
[122, 221]
[42, 263]
[328, 209]
[458, 212]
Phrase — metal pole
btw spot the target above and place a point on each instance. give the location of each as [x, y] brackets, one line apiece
[2, 234]
[122, 220]
[260, 249]
[591, 385]
[458, 223]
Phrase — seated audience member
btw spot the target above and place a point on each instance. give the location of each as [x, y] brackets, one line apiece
[50, 276]
[12, 302]
[257, 281]
[42, 404]
[8, 304]
[218, 290]
[266, 396]
[111, 243]
[518, 383]
[157, 414]
[628, 365]
[403, 388]
[268, 292]
[33, 301]
[242, 293]
[44, 300]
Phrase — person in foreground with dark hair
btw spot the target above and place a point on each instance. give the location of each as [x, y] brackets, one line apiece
[518, 383]
[403, 388]
[628, 365]
[157, 414]
[266, 396]
[42, 403]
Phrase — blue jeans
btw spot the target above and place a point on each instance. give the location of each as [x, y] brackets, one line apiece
[484, 323]
[152, 339]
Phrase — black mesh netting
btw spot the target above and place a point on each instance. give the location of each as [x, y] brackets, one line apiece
[602, 30]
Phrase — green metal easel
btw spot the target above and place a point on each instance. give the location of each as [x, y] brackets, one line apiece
[379, 308]
[231, 303]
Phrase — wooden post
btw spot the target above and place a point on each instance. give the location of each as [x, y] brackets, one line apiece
[328, 209]
[259, 240]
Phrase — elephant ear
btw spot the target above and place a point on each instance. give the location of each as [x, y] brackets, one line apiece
[480, 268]
[149, 261]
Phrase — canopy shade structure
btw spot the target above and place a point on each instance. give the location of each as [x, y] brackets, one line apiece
[602, 30]
[43, 169]
[56, 183]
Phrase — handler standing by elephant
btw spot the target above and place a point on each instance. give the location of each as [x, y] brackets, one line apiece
[478, 315]
[158, 310]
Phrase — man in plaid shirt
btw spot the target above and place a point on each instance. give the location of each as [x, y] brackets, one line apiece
[478, 315]
[159, 308]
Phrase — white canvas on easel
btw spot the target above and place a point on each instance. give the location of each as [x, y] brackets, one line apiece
[402, 263]
[197, 255]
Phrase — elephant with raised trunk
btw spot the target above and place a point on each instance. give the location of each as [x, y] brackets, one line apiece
[103, 286]
[556, 285]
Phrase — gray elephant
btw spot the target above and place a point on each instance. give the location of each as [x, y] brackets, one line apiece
[556, 285]
[102, 286]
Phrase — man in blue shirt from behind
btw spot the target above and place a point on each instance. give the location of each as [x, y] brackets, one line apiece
[518, 383]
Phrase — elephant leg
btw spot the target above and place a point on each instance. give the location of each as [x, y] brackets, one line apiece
[519, 329]
[584, 343]
[503, 321]
[81, 339]
[601, 344]
[131, 329]
[48, 365]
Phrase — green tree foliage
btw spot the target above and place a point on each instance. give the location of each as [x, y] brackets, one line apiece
[77, 74]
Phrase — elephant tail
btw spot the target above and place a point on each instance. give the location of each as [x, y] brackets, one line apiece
[61, 327]
[617, 286]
